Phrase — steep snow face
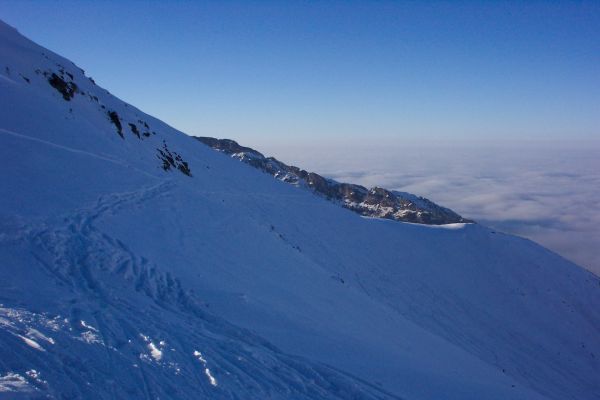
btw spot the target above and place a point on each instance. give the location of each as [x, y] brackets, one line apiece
[146, 266]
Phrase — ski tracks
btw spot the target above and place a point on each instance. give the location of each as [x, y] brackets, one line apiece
[101, 272]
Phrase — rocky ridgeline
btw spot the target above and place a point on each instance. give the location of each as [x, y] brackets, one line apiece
[374, 202]
[63, 82]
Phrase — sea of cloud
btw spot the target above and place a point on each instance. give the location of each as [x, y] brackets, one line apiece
[549, 193]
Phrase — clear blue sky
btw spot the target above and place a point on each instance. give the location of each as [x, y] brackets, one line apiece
[392, 71]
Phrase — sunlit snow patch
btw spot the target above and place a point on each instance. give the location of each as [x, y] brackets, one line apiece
[90, 336]
[31, 343]
[39, 335]
[155, 352]
[12, 382]
[36, 377]
[210, 377]
[89, 327]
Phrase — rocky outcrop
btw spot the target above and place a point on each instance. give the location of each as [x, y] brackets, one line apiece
[375, 202]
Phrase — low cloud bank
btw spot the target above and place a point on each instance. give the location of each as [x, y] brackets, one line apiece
[550, 194]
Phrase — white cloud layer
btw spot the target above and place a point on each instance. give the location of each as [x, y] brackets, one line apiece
[550, 194]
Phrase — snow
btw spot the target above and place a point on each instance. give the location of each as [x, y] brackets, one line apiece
[39, 335]
[207, 372]
[89, 327]
[31, 343]
[112, 258]
[211, 378]
[155, 352]
[90, 337]
[12, 382]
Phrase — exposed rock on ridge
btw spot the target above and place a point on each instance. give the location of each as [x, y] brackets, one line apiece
[374, 202]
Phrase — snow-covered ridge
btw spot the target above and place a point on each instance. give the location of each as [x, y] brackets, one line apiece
[375, 202]
[123, 276]
[51, 76]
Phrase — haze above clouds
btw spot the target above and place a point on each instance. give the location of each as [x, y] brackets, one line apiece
[547, 193]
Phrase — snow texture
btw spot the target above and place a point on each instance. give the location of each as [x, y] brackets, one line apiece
[142, 264]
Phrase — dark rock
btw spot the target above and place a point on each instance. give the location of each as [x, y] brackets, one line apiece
[135, 130]
[67, 89]
[114, 118]
[172, 160]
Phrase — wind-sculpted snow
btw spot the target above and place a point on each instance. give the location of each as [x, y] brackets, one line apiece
[119, 319]
[121, 278]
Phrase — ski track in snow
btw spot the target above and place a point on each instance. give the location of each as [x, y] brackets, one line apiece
[80, 252]
[78, 247]
[61, 147]
[75, 151]
[91, 307]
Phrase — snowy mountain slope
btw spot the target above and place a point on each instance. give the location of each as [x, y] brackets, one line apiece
[118, 319]
[374, 202]
[120, 279]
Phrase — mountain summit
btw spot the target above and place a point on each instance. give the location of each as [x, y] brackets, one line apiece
[137, 262]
